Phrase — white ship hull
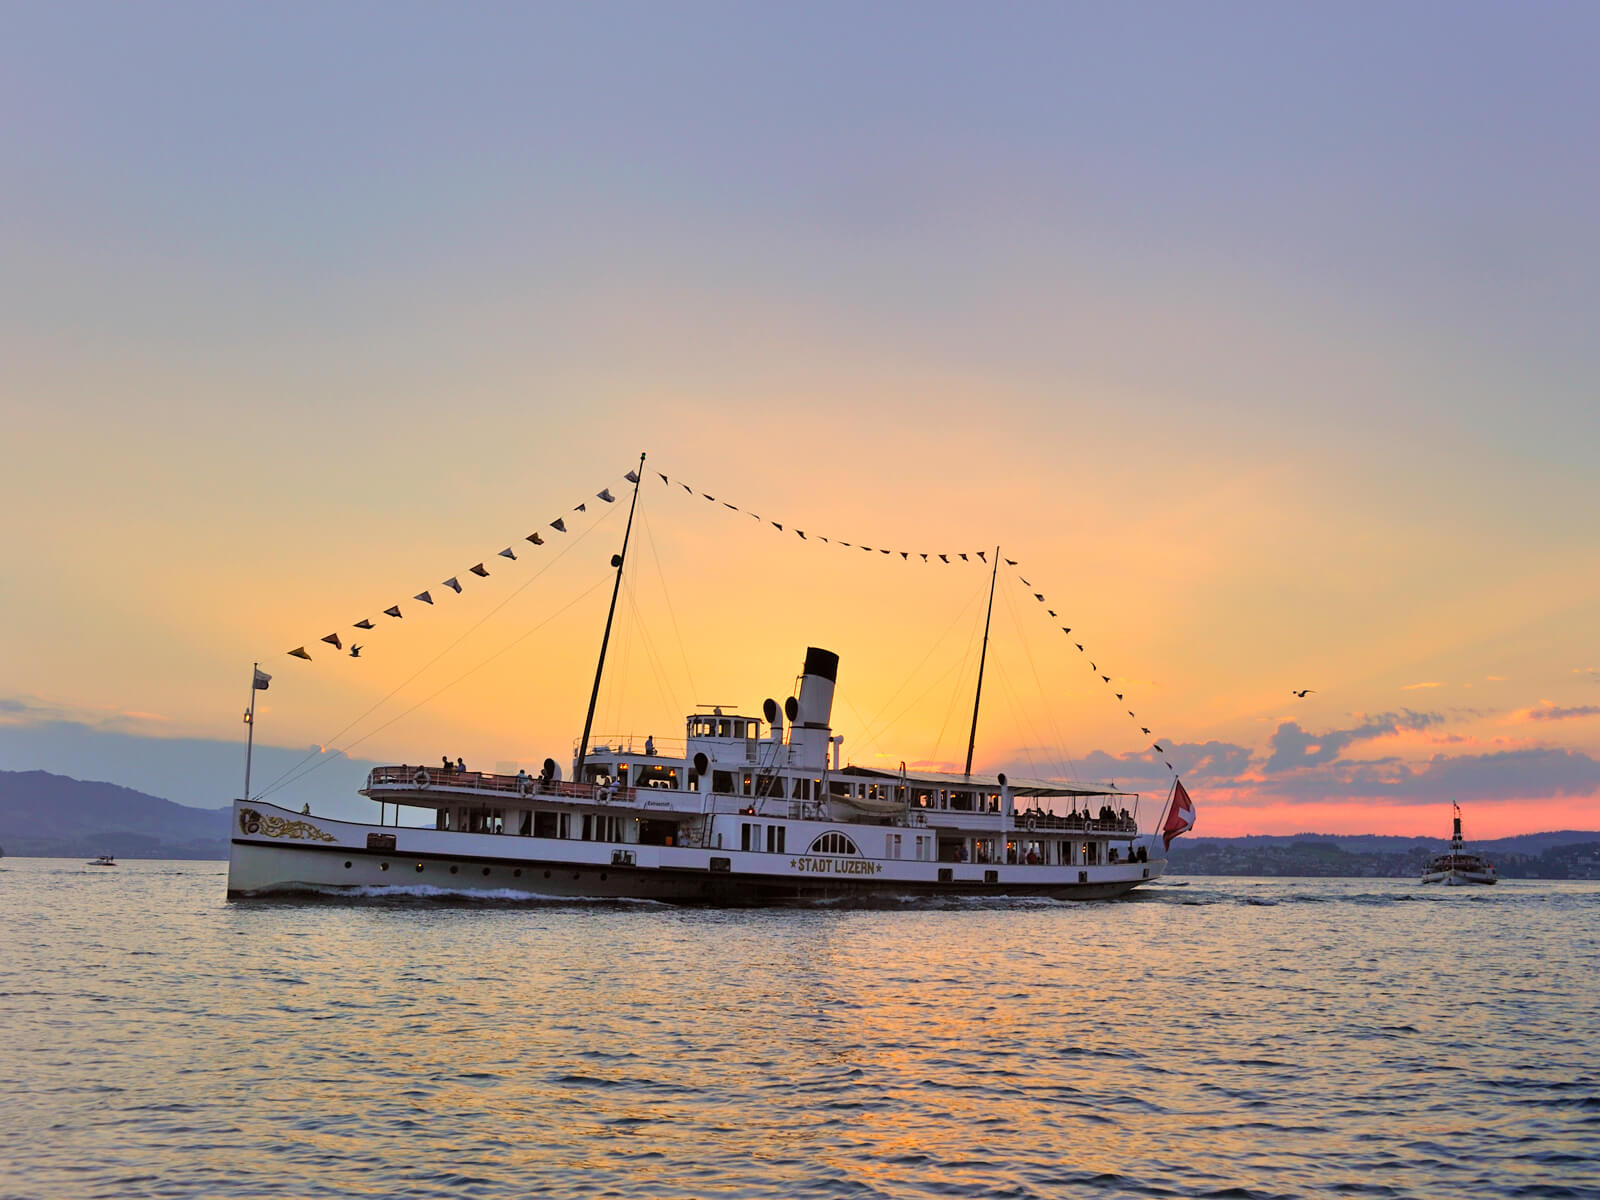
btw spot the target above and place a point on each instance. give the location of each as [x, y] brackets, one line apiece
[276, 851]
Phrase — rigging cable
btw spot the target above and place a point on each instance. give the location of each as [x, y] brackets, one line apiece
[282, 779]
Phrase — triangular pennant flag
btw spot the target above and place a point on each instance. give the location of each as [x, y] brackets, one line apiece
[1052, 612]
[1130, 713]
[868, 549]
[687, 488]
[300, 652]
[1093, 668]
[536, 538]
[1141, 727]
[944, 558]
[1025, 583]
[1159, 748]
[844, 543]
[1119, 695]
[633, 477]
[924, 558]
[424, 597]
[392, 612]
[709, 497]
[778, 527]
[1107, 678]
[664, 479]
[453, 584]
[964, 558]
[980, 555]
[580, 508]
[559, 525]
[363, 624]
[1011, 562]
[821, 538]
[507, 553]
[1066, 629]
[1039, 596]
[1169, 766]
[883, 552]
[1079, 645]
[735, 507]
[905, 556]
[480, 570]
[605, 494]
[333, 640]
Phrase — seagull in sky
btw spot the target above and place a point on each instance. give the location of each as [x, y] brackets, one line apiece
[355, 651]
[1302, 693]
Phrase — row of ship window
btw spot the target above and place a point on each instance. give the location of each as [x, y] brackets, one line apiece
[516, 872]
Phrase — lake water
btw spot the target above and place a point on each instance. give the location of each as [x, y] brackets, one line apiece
[1228, 1038]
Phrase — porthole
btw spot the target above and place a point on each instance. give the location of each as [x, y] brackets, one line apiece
[383, 866]
[486, 870]
[547, 874]
[575, 875]
[602, 876]
[517, 873]
[347, 864]
[453, 870]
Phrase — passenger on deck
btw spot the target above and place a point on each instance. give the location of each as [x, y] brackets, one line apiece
[448, 765]
[650, 745]
[522, 777]
[461, 766]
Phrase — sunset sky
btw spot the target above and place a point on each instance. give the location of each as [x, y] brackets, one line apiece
[1261, 336]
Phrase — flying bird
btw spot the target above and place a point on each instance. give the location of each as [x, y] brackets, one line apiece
[1302, 692]
[355, 651]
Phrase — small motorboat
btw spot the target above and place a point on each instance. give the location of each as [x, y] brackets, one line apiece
[105, 860]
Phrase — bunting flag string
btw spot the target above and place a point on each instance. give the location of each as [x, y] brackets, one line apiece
[812, 535]
[454, 582]
[1094, 668]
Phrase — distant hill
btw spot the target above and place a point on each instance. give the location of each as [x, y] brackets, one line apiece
[1567, 854]
[53, 816]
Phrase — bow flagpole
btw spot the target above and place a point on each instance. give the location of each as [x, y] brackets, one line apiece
[258, 683]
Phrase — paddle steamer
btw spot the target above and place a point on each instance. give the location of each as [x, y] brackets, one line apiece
[747, 809]
[1458, 866]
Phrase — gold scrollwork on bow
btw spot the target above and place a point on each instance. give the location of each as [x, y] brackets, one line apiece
[250, 821]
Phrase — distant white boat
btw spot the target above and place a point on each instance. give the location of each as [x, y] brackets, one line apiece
[105, 860]
[1458, 867]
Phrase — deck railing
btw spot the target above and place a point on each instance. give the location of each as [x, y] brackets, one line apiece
[453, 782]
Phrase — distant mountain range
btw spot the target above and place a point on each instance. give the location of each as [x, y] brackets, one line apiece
[53, 816]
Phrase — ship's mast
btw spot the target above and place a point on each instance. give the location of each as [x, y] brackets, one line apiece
[616, 561]
[972, 738]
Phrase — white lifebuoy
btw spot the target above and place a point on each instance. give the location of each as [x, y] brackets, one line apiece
[1031, 824]
[422, 779]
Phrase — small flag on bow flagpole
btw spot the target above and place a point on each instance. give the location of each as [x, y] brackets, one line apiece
[261, 680]
[1181, 817]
